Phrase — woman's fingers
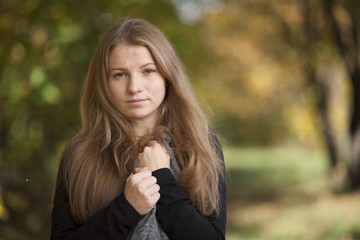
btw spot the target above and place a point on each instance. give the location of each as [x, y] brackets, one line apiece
[155, 197]
[141, 190]
[154, 156]
[140, 174]
[153, 189]
[146, 183]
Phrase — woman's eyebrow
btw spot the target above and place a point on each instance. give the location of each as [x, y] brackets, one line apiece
[147, 64]
[117, 68]
[124, 69]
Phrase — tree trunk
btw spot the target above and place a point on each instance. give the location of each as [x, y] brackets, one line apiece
[318, 84]
[355, 132]
[349, 51]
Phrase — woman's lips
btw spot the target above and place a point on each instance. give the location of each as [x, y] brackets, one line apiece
[136, 102]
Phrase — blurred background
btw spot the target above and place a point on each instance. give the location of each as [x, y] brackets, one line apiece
[280, 80]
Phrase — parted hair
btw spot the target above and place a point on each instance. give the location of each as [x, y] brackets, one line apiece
[95, 162]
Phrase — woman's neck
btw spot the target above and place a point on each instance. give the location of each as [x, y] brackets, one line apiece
[141, 129]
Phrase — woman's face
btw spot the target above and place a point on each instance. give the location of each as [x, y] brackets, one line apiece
[136, 84]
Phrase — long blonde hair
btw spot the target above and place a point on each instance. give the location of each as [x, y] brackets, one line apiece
[96, 162]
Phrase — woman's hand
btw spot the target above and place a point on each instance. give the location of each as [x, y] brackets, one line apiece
[154, 157]
[141, 190]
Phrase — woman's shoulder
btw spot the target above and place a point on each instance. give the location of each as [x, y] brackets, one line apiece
[74, 143]
[70, 148]
[65, 160]
[215, 141]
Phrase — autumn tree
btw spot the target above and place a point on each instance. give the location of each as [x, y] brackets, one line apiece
[285, 60]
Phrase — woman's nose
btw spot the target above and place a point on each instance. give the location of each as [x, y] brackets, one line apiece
[135, 84]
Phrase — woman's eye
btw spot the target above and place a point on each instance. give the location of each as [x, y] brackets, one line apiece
[119, 75]
[147, 71]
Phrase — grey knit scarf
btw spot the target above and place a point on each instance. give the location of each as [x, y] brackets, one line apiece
[148, 227]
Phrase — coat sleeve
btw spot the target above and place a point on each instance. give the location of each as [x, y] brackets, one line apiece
[179, 218]
[115, 221]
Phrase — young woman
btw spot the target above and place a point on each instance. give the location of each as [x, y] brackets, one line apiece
[144, 164]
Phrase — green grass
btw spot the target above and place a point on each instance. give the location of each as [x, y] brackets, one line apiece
[285, 193]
